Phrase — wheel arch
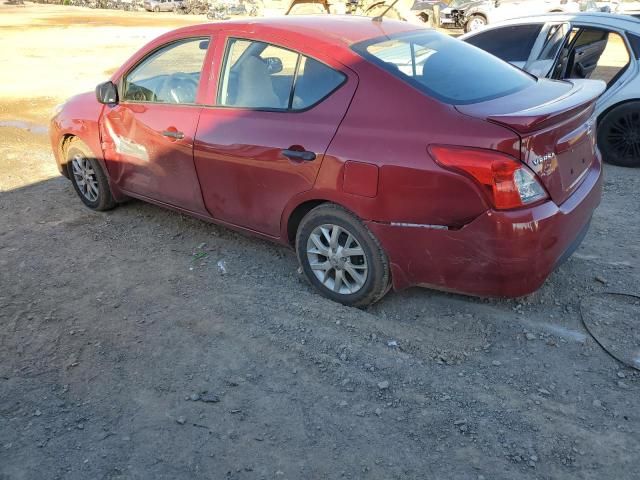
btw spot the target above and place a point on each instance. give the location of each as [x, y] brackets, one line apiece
[295, 211]
[604, 113]
[296, 216]
[476, 13]
[611, 154]
[65, 140]
[468, 16]
[63, 145]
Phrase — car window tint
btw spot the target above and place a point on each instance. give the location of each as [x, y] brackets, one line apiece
[444, 68]
[314, 82]
[257, 75]
[169, 75]
[261, 76]
[511, 44]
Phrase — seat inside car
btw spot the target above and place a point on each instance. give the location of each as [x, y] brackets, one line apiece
[255, 87]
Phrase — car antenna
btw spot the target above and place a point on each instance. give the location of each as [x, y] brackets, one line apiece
[378, 18]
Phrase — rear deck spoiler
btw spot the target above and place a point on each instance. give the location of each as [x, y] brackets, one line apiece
[581, 96]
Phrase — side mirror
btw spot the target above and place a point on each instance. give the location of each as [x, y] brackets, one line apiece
[497, 3]
[274, 65]
[107, 93]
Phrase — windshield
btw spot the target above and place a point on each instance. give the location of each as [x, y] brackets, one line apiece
[445, 68]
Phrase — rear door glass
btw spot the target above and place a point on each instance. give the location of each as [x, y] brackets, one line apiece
[447, 69]
[259, 75]
[512, 44]
[314, 82]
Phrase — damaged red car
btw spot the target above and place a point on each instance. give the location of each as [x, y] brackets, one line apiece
[385, 155]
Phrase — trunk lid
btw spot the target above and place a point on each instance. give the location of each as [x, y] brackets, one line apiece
[556, 125]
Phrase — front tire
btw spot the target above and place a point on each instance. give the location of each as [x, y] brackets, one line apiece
[88, 178]
[475, 22]
[341, 258]
[619, 135]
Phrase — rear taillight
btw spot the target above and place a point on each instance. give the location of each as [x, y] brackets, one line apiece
[507, 182]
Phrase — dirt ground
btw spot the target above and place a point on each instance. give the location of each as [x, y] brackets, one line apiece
[126, 352]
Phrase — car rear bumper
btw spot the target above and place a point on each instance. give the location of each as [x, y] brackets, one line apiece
[500, 253]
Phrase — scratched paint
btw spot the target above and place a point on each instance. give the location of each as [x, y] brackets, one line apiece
[126, 146]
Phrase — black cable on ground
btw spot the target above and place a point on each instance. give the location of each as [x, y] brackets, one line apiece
[586, 326]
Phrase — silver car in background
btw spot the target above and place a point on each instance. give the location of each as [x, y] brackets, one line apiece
[599, 46]
[161, 5]
[472, 15]
[626, 7]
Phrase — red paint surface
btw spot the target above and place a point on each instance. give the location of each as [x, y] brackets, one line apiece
[229, 167]
[360, 179]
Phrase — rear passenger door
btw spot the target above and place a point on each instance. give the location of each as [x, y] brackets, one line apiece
[263, 140]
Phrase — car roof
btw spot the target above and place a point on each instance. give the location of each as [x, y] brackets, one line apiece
[337, 30]
[626, 22]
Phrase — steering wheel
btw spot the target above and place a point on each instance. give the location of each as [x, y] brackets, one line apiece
[180, 88]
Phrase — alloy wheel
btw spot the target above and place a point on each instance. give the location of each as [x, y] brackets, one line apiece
[624, 135]
[476, 24]
[337, 259]
[85, 177]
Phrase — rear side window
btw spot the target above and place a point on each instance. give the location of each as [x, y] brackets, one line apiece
[447, 69]
[314, 82]
[511, 44]
[262, 76]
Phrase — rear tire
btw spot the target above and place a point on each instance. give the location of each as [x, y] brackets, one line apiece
[341, 258]
[88, 178]
[619, 135]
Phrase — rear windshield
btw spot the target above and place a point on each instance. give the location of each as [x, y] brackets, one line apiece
[445, 68]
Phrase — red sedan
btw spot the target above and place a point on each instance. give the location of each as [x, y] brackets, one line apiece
[386, 155]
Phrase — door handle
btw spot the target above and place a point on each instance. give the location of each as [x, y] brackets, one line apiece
[299, 155]
[173, 134]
